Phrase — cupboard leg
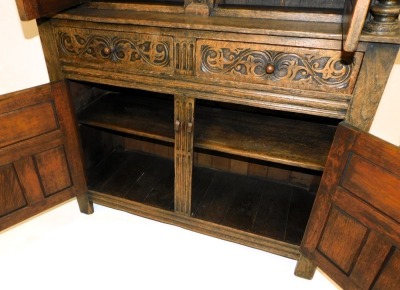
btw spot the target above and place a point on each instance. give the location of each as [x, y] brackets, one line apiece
[304, 268]
[85, 205]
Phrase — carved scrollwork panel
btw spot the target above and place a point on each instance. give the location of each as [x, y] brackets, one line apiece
[279, 66]
[130, 51]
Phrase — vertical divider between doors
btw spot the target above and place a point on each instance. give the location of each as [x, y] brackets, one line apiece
[184, 125]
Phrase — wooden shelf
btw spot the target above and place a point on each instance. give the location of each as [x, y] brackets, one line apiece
[137, 177]
[286, 141]
[248, 204]
[136, 113]
[258, 136]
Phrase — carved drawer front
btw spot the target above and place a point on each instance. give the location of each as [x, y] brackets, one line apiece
[115, 51]
[298, 68]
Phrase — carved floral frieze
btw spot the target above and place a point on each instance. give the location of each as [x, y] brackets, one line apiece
[116, 49]
[330, 70]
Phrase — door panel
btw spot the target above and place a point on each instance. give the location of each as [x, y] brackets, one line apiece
[11, 195]
[389, 278]
[40, 161]
[354, 230]
[14, 128]
[53, 181]
[364, 180]
[349, 234]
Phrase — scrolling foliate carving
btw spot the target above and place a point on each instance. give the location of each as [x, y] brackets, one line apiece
[116, 49]
[332, 71]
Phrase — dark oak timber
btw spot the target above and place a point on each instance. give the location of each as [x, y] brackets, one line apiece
[378, 62]
[39, 166]
[216, 116]
[260, 137]
[354, 14]
[354, 233]
[257, 136]
[132, 113]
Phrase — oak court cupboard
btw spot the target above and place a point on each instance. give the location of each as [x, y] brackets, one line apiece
[217, 116]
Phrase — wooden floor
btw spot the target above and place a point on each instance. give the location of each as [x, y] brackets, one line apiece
[137, 177]
[270, 209]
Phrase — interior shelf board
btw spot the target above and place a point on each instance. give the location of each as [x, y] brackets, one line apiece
[285, 249]
[291, 142]
[263, 137]
[136, 176]
[251, 204]
[136, 115]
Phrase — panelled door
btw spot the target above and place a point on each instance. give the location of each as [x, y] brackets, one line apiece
[353, 233]
[40, 154]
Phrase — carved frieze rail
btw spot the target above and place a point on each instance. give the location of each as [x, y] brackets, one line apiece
[303, 68]
[132, 51]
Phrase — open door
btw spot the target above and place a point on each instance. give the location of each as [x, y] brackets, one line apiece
[353, 234]
[40, 154]
[354, 15]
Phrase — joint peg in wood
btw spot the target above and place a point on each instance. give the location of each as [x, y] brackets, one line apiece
[190, 127]
[106, 51]
[177, 125]
[270, 68]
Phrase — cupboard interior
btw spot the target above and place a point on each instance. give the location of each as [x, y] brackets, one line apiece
[254, 170]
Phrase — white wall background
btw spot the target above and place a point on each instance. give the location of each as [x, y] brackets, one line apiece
[22, 62]
[386, 124]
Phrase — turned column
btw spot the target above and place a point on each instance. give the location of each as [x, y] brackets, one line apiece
[385, 17]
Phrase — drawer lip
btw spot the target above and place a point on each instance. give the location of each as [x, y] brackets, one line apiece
[263, 99]
[297, 68]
